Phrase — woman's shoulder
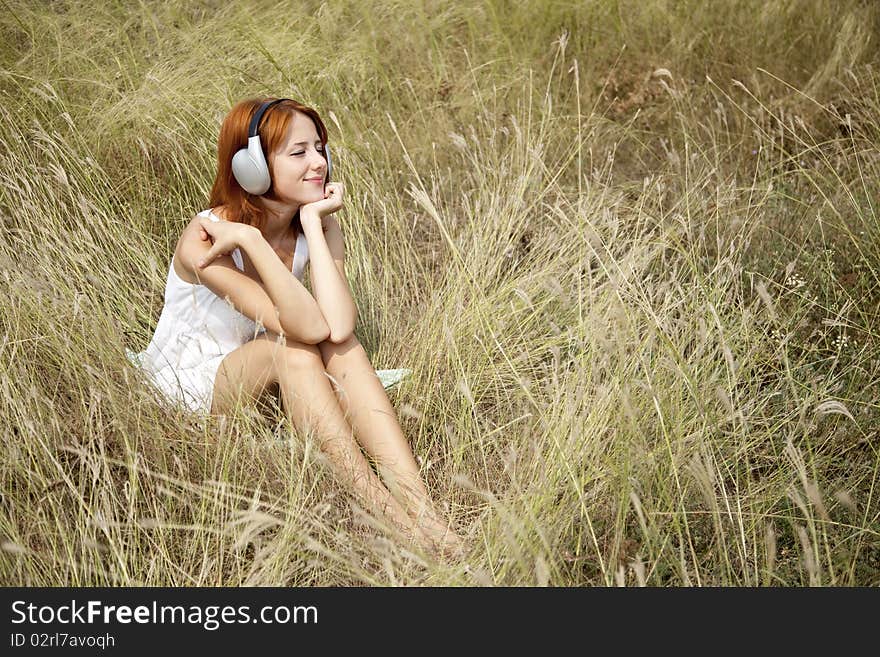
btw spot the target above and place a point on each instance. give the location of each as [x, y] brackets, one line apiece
[220, 212]
[193, 225]
[189, 242]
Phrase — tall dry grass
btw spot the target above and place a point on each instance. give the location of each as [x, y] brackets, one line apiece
[629, 250]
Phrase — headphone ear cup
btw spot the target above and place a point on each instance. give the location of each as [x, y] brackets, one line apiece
[249, 168]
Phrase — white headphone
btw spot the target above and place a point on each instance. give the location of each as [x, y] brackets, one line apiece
[249, 164]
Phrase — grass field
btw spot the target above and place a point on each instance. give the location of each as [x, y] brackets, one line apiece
[628, 248]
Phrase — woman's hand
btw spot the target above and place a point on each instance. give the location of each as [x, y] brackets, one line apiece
[314, 212]
[225, 235]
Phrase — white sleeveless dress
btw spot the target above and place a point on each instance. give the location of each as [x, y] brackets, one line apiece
[197, 330]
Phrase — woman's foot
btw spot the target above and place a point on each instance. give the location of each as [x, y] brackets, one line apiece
[443, 540]
[451, 546]
[438, 536]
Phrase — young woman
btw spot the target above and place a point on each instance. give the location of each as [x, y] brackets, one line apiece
[238, 319]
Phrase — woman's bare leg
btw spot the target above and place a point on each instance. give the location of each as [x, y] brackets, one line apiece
[309, 402]
[375, 423]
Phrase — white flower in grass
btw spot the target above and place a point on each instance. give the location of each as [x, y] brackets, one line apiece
[841, 342]
[795, 282]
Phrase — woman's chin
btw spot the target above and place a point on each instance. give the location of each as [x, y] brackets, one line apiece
[302, 199]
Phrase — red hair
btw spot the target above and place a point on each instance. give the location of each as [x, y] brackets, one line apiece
[240, 205]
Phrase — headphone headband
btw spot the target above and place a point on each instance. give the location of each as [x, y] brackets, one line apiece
[254, 127]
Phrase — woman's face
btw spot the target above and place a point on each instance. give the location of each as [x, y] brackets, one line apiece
[299, 168]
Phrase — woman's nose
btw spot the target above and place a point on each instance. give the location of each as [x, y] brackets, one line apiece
[318, 163]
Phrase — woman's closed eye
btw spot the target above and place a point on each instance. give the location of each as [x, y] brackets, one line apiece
[320, 150]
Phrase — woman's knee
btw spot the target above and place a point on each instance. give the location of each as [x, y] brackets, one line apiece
[298, 356]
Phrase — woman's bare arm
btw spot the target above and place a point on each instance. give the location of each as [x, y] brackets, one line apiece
[297, 316]
[330, 286]
[298, 312]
